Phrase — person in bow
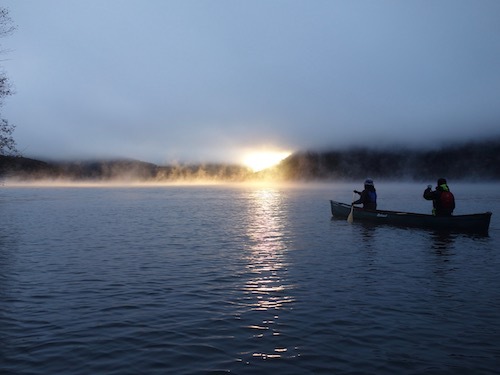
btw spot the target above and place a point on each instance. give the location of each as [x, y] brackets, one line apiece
[368, 197]
[443, 200]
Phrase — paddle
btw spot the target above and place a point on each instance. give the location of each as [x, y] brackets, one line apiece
[350, 218]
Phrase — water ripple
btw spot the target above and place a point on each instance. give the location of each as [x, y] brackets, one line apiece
[236, 280]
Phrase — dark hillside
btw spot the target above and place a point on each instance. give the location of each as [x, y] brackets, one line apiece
[28, 169]
[19, 166]
[469, 161]
[105, 170]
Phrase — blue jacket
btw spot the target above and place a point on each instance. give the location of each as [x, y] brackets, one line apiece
[368, 198]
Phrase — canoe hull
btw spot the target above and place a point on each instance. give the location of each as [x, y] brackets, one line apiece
[477, 223]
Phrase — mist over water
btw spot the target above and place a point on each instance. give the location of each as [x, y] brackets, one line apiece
[244, 279]
[471, 161]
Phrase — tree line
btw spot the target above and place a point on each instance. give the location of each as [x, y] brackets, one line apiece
[473, 160]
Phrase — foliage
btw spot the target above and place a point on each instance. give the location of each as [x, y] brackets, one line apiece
[474, 160]
[7, 142]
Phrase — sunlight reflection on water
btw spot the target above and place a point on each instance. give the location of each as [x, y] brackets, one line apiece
[244, 280]
[266, 261]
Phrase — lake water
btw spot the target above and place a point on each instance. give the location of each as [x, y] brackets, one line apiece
[242, 279]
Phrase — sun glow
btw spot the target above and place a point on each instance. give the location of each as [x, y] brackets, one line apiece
[260, 160]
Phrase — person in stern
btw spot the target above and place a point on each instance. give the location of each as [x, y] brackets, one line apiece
[368, 197]
[443, 201]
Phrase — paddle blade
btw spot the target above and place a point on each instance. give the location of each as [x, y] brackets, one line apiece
[350, 218]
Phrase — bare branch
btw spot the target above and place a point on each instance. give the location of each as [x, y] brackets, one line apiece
[7, 142]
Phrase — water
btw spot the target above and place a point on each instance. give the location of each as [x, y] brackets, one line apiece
[242, 280]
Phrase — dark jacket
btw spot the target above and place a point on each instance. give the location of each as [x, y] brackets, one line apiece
[368, 198]
[437, 201]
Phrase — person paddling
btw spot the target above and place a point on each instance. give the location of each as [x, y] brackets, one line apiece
[368, 197]
[443, 201]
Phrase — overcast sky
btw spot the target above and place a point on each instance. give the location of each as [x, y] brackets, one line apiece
[193, 80]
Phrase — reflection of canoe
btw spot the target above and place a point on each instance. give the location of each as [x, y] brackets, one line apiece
[478, 223]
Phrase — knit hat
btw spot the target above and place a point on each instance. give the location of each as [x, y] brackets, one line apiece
[441, 181]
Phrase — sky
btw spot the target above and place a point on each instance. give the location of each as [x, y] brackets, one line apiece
[167, 81]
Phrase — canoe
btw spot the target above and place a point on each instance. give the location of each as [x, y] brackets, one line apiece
[476, 223]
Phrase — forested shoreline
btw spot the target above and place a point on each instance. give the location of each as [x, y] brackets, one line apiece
[474, 161]
[467, 161]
